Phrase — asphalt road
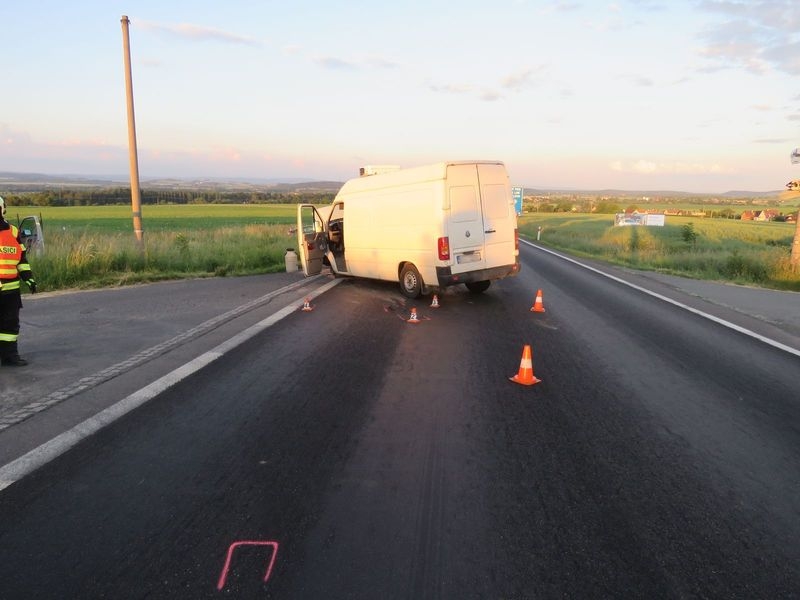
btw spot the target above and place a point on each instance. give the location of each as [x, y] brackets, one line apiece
[356, 455]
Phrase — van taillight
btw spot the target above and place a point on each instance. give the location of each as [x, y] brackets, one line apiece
[516, 239]
[444, 248]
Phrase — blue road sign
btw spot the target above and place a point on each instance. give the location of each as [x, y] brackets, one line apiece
[516, 193]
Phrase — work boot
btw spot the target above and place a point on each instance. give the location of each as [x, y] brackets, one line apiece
[13, 361]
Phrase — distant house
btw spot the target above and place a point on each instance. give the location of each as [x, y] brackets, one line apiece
[747, 215]
[765, 215]
[791, 218]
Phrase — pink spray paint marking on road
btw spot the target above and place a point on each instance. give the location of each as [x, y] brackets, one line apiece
[233, 546]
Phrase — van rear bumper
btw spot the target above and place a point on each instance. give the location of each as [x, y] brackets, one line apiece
[446, 277]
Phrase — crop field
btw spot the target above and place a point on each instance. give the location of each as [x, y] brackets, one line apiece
[94, 246]
[157, 218]
[744, 252]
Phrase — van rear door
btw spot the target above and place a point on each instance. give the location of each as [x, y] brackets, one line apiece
[499, 217]
[311, 239]
[465, 227]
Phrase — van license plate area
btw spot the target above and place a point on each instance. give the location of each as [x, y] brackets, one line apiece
[468, 258]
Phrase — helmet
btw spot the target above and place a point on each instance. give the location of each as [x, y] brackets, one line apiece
[2, 207]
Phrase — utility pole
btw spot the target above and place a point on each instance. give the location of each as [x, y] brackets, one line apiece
[794, 192]
[133, 154]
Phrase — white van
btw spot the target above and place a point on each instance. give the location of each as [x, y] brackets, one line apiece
[426, 227]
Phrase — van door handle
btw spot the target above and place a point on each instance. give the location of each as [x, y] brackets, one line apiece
[490, 231]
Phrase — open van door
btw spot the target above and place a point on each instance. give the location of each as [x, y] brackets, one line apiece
[31, 235]
[311, 239]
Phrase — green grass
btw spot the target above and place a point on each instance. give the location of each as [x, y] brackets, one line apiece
[90, 247]
[714, 249]
[155, 218]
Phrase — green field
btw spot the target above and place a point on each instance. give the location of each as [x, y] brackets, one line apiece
[157, 218]
[89, 247]
[730, 250]
[95, 246]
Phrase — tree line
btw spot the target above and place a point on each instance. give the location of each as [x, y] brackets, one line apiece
[122, 195]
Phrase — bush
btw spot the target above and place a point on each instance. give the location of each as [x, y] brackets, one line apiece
[744, 268]
[688, 234]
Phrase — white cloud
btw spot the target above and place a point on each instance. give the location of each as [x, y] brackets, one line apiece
[644, 166]
[371, 62]
[18, 149]
[11, 138]
[450, 88]
[786, 56]
[197, 33]
[560, 6]
[641, 80]
[758, 36]
[379, 62]
[649, 5]
[520, 80]
[647, 167]
[332, 62]
[513, 82]
[773, 141]
[490, 96]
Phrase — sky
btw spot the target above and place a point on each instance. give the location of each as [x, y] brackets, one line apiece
[689, 95]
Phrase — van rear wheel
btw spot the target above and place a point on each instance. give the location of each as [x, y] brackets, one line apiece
[476, 287]
[410, 281]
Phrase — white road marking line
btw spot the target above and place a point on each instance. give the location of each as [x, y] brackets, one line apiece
[27, 463]
[724, 323]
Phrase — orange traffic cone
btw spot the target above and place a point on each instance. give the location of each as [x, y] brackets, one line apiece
[307, 305]
[435, 303]
[525, 375]
[413, 318]
[538, 305]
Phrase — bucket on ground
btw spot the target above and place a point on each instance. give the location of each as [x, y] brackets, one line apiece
[290, 258]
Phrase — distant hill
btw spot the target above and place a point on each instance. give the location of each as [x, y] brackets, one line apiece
[273, 185]
[638, 194]
[13, 181]
[739, 194]
[42, 179]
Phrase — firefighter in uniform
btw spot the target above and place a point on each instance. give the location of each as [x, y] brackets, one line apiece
[13, 268]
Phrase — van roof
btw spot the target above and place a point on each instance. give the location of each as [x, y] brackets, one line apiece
[432, 172]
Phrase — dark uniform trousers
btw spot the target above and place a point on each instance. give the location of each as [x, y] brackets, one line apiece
[10, 303]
